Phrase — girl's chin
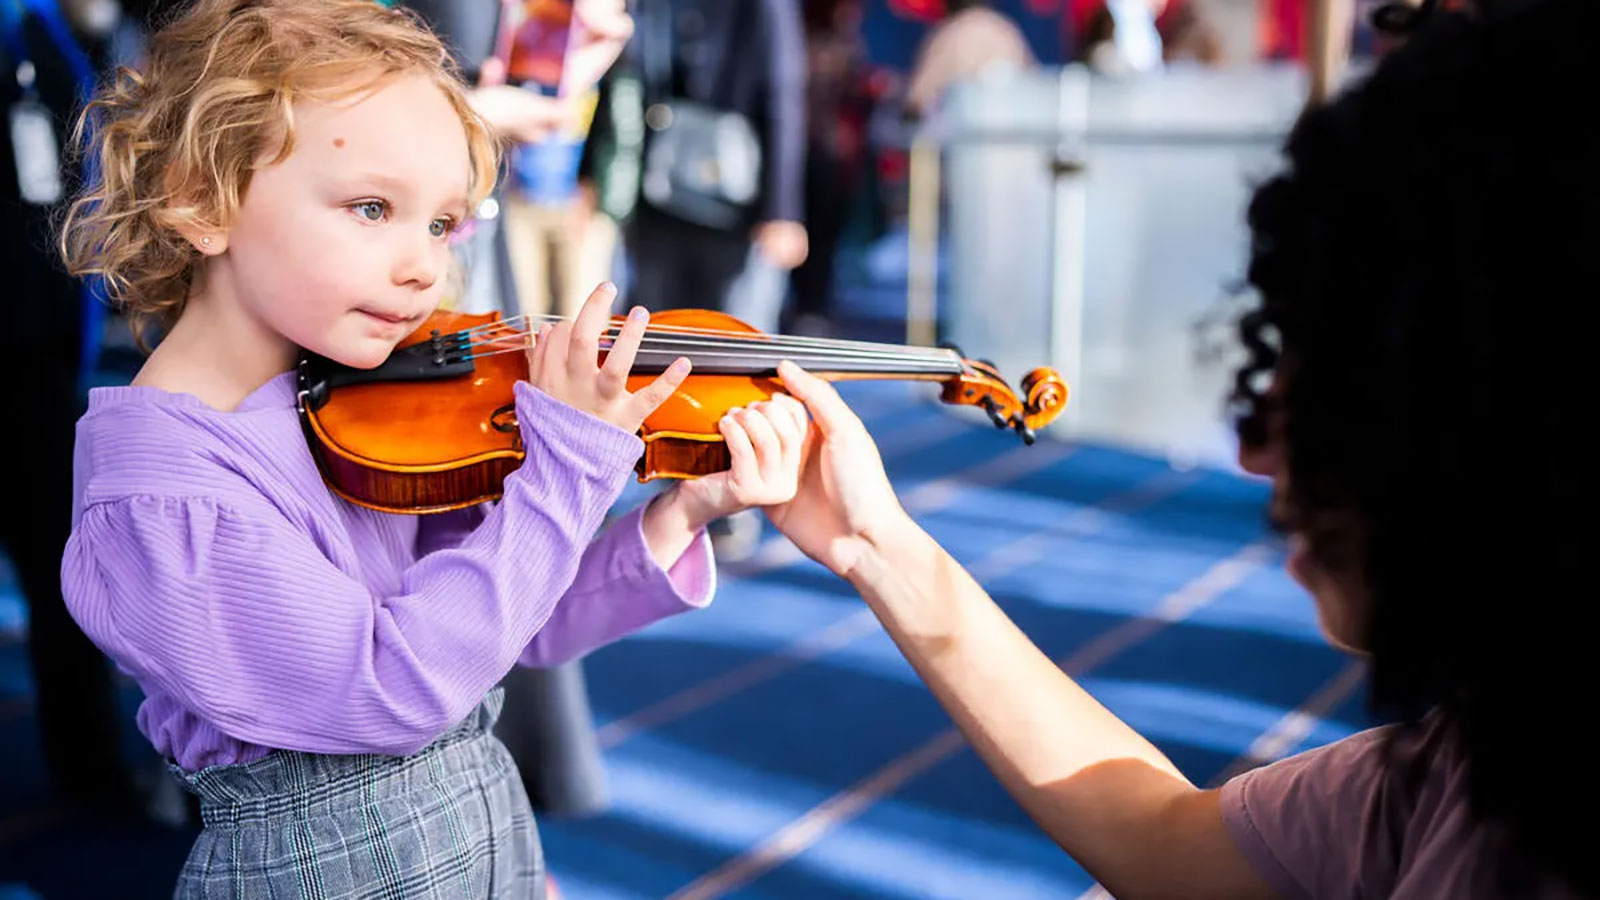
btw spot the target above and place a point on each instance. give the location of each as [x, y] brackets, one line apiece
[365, 352]
[1299, 564]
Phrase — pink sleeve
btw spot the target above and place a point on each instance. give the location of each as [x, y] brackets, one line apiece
[1314, 825]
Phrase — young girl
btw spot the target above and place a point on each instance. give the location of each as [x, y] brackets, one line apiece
[284, 175]
[1423, 265]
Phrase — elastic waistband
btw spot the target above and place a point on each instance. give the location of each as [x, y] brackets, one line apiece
[293, 784]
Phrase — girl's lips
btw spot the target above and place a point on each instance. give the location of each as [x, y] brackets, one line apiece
[389, 319]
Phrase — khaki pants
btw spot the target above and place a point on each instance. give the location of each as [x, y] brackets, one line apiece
[555, 268]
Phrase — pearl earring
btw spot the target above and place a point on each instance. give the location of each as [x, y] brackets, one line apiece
[206, 241]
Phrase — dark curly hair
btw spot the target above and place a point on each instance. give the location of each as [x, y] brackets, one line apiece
[1422, 266]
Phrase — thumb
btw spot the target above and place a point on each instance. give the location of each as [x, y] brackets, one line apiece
[828, 409]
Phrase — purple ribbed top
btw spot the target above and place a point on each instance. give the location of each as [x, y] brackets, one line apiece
[258, 611]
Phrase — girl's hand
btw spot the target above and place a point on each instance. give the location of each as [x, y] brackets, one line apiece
[766, 442]
[844, 503]
[564, 363]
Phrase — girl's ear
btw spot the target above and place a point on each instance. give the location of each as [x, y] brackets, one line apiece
[209, 241]
[184, 217]
[184, 213]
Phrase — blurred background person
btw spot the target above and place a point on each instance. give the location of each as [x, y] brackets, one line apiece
[1128, 36]
[971, 38]
[50, 55]
[1122, 37]
[719, 220]
[837, 108]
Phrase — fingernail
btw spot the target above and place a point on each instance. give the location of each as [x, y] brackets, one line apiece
[680, 366]
[608, 286]
[639, 314]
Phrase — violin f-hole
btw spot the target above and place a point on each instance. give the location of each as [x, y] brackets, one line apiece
[504, 420]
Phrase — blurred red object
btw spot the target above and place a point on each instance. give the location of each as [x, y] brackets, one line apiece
[918, 10]
[933, 10]
[893, 165]
[1282, 29]
[1080, 11]
[881, 82]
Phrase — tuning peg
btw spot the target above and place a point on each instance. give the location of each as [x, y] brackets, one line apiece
[993, 409]
[1028, 437]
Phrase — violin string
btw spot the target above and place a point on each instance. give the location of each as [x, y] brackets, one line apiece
[735, 339]
[522, 323]
[808, 358]
[688, 346]
[818, 361]
[856, 349]
[802, 356]
[517, 325]
[760, 346]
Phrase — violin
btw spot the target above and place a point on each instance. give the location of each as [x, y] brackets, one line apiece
[433, 428]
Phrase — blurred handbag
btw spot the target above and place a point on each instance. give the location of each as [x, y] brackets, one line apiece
[701, 164]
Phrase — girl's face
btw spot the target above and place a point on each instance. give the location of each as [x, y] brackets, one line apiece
[342, 248]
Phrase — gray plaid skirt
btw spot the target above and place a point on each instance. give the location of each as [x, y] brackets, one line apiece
[450, 821]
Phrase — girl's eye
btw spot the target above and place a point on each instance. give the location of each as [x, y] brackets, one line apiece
[441, 226]
[371, 210]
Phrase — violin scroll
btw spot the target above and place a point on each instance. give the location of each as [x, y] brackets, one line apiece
[1044, 396]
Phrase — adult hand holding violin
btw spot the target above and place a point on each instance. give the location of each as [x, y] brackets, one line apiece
[844, 505]
[564, 362]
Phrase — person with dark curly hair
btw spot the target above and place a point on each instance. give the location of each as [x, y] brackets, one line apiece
[1413, 391]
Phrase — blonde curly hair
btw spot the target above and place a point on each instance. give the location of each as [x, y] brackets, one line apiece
[175, 144]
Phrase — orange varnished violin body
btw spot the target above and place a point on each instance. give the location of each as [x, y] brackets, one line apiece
[434, 428]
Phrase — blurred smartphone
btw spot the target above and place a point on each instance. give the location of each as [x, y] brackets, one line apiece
[533, 42]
